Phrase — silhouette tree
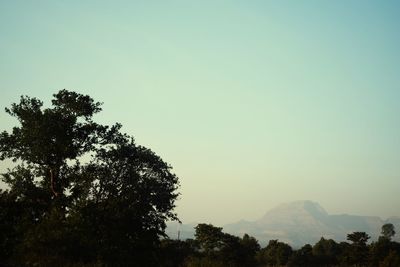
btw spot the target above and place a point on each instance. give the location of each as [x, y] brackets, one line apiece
[358, 238]
[275, 253]
[239, 251]
[221, 249]
[388, 231]
[325, 252]
[47, 138]
[249, 249]
[380, 250]
[209, 237]
[80, 191]
[358, 251]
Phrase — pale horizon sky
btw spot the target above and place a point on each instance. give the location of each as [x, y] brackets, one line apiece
[253, 103]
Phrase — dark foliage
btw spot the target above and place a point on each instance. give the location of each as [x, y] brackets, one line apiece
[216, 248]
[80, 193]
[275, 253]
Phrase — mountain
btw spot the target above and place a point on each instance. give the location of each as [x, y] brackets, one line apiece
[301, 222]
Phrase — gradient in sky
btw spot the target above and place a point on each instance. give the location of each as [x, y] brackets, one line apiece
[253, 103]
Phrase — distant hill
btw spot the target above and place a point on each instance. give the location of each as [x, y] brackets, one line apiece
[298, 223]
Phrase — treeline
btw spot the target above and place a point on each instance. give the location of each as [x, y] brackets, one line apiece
[211, 247]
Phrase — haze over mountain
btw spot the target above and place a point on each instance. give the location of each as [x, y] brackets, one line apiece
[298, 223]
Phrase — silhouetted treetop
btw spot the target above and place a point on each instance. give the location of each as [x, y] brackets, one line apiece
[112, 206]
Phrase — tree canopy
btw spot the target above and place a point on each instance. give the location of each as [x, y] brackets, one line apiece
[77, 185]
[388, 231]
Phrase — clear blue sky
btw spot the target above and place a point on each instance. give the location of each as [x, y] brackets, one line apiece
[253, 103]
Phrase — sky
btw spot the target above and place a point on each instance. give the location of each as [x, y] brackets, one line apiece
[253, 103]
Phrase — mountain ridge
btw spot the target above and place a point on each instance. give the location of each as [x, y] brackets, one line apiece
[302, 222]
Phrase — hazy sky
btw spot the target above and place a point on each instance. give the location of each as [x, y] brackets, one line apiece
[253, 103]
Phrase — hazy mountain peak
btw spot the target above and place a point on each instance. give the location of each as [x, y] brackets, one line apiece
[305, 211]
[301, 222]
[307, 205]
